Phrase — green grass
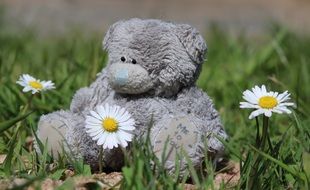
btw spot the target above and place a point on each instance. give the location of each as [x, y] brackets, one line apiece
[280, 59]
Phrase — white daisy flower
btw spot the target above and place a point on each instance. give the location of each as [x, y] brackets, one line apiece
[31, 84]
[266, 102]
[110, 126]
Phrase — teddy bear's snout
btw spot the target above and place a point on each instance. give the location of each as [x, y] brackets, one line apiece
[129, 78]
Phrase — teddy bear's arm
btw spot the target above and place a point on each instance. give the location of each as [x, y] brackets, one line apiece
[89, 97]
[81, 99]
[53, 128]
[197, 104]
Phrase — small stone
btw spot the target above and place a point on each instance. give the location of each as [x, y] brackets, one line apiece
[69, 173]
[17, 182]
[229, 177]
[110, 180]
[2, 158]
[49, 184]
[4, 183]
[189, 187]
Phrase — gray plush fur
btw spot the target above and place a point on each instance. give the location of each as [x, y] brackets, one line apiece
[160, 87]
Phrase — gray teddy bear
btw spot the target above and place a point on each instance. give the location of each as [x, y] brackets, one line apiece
[151, 72]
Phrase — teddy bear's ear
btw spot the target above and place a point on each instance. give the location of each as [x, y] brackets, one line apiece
[192, 41]
[109, 35]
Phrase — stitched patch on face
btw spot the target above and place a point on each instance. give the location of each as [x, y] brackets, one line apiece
[179, 133]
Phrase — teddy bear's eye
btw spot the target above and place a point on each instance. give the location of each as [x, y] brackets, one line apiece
[123, 59]
[133, 61]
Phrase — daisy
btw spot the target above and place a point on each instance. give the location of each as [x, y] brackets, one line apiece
[31, 84]
[110, 126]
[266, 102]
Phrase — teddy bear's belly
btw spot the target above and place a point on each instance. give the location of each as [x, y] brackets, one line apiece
[146, 111]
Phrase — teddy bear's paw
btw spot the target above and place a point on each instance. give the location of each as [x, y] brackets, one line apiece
[177, 133]
[182, 139]
[174, 139]
[51, 132]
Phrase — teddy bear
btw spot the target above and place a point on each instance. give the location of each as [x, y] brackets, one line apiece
[151, 72]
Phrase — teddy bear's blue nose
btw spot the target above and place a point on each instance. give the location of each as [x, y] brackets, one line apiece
[129, 78]
[121, 77]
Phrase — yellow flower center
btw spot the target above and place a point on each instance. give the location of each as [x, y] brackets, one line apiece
[267, 102]
[36, 85]
[110, 124]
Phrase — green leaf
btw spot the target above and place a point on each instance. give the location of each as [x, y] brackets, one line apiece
[9, 157]
[86, 170]
[7, 124]
[68, 184]
[230, 147]
[57, 174]
[281, 164]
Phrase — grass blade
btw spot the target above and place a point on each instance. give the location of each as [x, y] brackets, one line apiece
[7, 124]
[281, 164]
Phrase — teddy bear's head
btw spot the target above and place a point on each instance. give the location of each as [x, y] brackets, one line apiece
[152, 56]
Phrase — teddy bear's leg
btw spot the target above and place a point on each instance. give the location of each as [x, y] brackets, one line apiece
[52, 129]
[184, 134]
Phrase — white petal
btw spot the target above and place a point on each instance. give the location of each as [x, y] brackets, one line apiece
[256, 113]
[257, 92]
[96, 115]
[102, 139]
[127, 127]
[248, 105]
[110, 111]
[124, 117]
[125, 135]
[107, 110]
[92, 119]
[101, 111]
[270, 93]
[96, 136]
[284, 109]
[27, 89]
[276, 110]
[275, 94]
[92, 125]
[121, 111]
[105, 145]
[22, 83]
[114, 111]
[121, 141]
[28, 77]
[263, 89]
[93, 129]
[95, 133]
[284, 98]
[48, 85]
[287, 104]
[250, 97]
[268, 112]
[111, 141]
[34, 91]
[280, 96]
[128, 123]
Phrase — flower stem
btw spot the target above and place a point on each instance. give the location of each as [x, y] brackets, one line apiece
[100, 159]
[265, 133]
[23, 111]
[257, 133]
[253, 181]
